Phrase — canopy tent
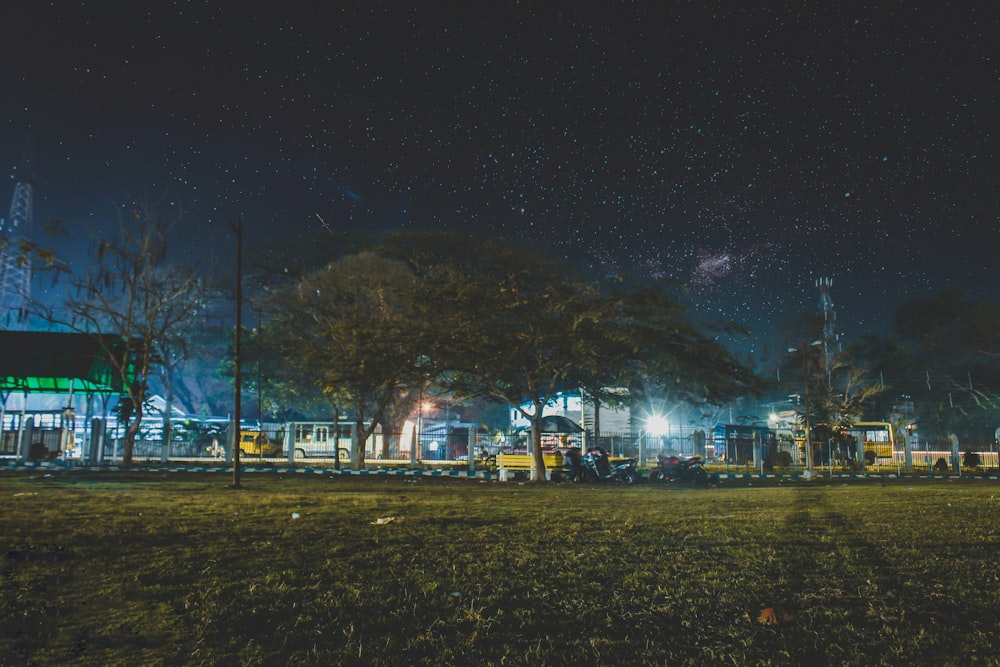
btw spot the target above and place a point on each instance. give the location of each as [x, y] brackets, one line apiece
[65, 363]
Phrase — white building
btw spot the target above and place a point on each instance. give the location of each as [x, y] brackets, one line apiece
[571, 406]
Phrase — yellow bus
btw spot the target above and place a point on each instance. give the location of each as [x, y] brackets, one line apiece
[876, 441]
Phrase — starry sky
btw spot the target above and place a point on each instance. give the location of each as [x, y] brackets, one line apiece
[745, 149]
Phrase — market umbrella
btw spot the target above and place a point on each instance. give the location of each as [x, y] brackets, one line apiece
[559, 424]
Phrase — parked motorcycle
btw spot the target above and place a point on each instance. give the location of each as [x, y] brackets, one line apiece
[596, 466]
[671, 468]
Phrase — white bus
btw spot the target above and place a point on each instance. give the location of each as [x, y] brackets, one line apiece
[325, 440]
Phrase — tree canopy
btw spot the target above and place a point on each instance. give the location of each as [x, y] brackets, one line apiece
[941, 357]
[489, 319]
[350, 329]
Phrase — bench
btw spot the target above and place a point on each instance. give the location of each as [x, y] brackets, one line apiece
[508, 464]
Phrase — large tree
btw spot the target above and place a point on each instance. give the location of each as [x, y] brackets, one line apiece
[652, 340]
[494, 320]
[837, 388]
[522, 328]
[351, 330]
[942, 355]
[514, 329]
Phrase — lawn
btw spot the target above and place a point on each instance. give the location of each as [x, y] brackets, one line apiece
[179, 568]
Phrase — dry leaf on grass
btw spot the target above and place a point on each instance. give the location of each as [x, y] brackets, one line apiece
[774, 616]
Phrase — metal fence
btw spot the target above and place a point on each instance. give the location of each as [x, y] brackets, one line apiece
[393, 450]
[451, 448]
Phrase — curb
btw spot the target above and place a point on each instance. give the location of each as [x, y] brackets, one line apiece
[63, 466]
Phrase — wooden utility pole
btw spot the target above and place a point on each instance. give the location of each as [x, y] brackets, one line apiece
[237, 361]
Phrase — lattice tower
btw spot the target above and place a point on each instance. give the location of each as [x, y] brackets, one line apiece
[831, 339]
[15, 267]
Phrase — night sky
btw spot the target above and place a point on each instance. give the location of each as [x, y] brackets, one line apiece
[745, 151]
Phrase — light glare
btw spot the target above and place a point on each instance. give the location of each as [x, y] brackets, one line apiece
[656, 425]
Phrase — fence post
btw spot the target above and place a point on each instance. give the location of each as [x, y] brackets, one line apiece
[470, 449]
[232, 441]
[27, 426]
[956, 464]
[758, 460]
[907, 450]
[96, 449]
[698, 438]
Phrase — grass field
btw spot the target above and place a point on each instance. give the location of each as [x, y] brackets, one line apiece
[179, 568]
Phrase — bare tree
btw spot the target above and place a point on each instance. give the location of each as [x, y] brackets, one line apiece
[171, 351]
[132, 295]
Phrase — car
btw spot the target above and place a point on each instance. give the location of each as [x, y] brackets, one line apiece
[256, 443]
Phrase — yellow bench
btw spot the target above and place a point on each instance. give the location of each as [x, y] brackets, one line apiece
[514, 463]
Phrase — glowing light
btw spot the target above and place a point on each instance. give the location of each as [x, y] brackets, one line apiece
[656, 425]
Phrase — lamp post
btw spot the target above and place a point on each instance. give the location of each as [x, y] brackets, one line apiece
[237, 358]
[422, 363]
[260, 400]
[418, 430]
[804, 349]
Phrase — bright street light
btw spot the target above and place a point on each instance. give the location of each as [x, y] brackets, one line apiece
[656, 425]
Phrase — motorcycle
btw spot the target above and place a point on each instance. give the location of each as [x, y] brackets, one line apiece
[672, 468]
[596, 466]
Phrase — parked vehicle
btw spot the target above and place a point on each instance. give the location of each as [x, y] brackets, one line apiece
[596, 466]
[255, 443]
[672, 468]
[325, 440]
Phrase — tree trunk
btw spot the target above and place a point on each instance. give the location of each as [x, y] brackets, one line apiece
[336, 437]
[391, 428]
[361, 437]
[536, 444]
[131, 431]
[167, 435]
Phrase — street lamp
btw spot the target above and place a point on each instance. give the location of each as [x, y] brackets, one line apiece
[657, 425]
[422, 363]
[804, 348]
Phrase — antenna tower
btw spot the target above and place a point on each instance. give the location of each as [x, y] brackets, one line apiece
[15, 267]
[831, 339]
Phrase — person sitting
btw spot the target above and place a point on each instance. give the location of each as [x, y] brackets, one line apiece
[600, 457]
